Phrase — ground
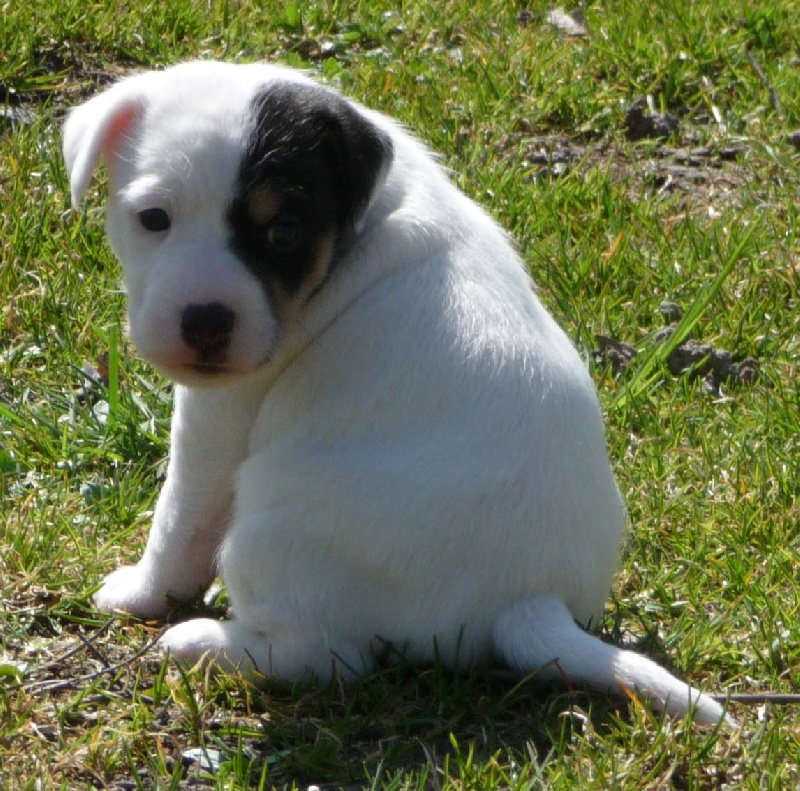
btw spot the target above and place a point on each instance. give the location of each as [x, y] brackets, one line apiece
[647, 169]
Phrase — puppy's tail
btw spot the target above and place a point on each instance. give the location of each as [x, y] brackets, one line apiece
[540, 635]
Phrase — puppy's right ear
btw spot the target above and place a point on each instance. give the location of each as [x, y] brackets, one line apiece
[94, 129]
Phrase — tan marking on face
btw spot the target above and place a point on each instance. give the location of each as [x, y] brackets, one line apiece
[263, 205]
[284, 303]
[319, 269]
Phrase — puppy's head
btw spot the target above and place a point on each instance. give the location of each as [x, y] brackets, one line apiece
[232, 191]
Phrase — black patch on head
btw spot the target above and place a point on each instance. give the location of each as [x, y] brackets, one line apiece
[321, 160]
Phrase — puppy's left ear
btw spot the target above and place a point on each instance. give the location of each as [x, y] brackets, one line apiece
[95, 129]
[362, 153]
[296, 119]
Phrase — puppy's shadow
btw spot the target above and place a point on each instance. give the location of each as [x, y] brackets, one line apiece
[405, 718]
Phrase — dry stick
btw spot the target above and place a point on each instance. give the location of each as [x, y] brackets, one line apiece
[85, 642]
[49, 685]
[773, 94]
[754, 698]
[89, 644]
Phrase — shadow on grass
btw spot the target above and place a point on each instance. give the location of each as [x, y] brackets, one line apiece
[402, 720]
[427, 722]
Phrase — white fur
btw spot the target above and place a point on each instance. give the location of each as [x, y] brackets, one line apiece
[417, 456]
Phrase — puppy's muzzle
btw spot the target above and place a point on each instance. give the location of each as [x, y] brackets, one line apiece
[207, 329]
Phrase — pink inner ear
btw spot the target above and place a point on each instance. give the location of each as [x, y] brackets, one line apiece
[119, 123]
[116, 129]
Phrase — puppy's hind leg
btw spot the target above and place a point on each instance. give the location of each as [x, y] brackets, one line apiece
[539, 634]
[288, 651]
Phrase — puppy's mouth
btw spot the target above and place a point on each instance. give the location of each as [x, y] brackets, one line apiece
[204, 373]
[201, 374]
[207, 369]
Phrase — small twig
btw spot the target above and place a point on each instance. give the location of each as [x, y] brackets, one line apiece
[89, 644]
[776, 102]
[49, 685]
[85, 642]
[754, 698]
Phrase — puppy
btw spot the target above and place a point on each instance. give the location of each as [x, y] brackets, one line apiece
[380, 437]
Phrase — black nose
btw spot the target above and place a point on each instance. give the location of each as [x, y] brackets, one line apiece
[207, 328]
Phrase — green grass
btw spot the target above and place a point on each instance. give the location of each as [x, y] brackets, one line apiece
[709, 583]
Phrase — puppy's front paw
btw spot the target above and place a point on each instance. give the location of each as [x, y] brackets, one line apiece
[134, 590]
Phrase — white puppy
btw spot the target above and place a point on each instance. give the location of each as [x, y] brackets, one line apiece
[380, 437]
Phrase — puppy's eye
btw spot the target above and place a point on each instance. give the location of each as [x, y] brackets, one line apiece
[154, 220]
[283, 232]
